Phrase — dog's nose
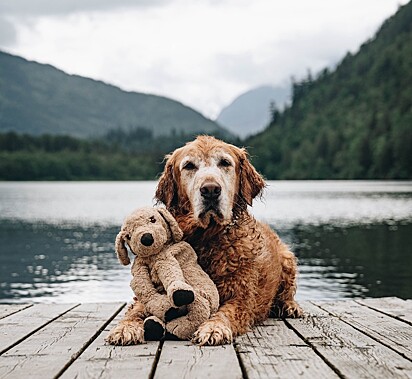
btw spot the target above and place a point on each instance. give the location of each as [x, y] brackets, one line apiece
[147, 239]
[210, 191]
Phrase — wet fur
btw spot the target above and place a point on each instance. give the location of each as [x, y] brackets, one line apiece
[254, 271]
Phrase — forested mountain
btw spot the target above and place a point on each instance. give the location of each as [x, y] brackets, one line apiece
[249, 113]
[354, 122]
[40, 99]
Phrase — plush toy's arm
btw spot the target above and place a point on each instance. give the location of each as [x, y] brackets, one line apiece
[168, 269]
[142, 286]
[183, 252]
[170, 274]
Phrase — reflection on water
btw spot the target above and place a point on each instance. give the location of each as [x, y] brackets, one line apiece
[57, 241]
[63, 263]
[77, 263]
[353, 261]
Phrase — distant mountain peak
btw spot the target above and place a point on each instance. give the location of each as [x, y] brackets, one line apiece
[249, 113]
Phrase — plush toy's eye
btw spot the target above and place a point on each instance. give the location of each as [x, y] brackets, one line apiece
[152, 219]
[189, 166]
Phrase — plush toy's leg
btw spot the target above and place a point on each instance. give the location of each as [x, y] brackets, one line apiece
[173, 313]
[154, 328]
[184, 327]
[129, 330]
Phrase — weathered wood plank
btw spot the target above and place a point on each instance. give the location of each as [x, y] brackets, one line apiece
[272, 350]
[101, 361]
[352, 353]
[387, 330]
[182, 359]
[9, 309]
[392, 306]
[20, 325]
[49, 351]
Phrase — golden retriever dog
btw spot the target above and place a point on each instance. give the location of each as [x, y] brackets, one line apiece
[207, 185]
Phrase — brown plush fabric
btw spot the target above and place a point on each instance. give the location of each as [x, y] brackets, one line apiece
[165, 271]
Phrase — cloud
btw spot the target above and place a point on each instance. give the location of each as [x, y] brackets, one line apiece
[8, 34]
[61, 7]
[203, 53]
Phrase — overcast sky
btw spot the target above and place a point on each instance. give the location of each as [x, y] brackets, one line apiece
[203, 53]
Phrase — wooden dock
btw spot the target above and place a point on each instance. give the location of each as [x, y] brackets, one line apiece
[341, 339]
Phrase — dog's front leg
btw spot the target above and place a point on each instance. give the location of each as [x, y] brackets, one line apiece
[129, 330]
[235, 316]
[229, 321]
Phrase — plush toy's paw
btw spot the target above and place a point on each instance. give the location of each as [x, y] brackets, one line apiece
[154, 329]
[126, 333]
[173, 313]
[213, 332]
[181, 293]
[183, 297]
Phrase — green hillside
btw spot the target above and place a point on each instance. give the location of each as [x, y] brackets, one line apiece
[40, 99]
[354, 122]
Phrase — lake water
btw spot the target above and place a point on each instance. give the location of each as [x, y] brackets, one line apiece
[352, 238]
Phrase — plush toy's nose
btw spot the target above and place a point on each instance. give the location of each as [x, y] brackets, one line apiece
[147, 239]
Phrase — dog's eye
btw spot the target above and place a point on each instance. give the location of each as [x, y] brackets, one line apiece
[152, 219]
[189, 166]
[224, 163]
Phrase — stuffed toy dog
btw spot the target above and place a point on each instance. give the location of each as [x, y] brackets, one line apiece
[166, 276]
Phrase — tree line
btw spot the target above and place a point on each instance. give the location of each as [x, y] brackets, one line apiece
[134, 154]
[47, 157]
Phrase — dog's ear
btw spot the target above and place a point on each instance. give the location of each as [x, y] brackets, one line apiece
[177, 233]
[251, 183]
[166, 191]
[121, 250]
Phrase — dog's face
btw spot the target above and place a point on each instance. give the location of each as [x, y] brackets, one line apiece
[209, 178]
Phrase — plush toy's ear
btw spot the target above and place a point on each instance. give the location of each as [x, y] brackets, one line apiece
[251, 182]
[166, 191]
[177, 233]
[121, 250]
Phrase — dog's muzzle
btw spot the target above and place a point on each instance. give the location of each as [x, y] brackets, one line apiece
[210, 192]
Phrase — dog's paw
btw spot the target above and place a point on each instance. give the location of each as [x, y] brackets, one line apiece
[292, 310]
[126, 333]
[213, 332]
